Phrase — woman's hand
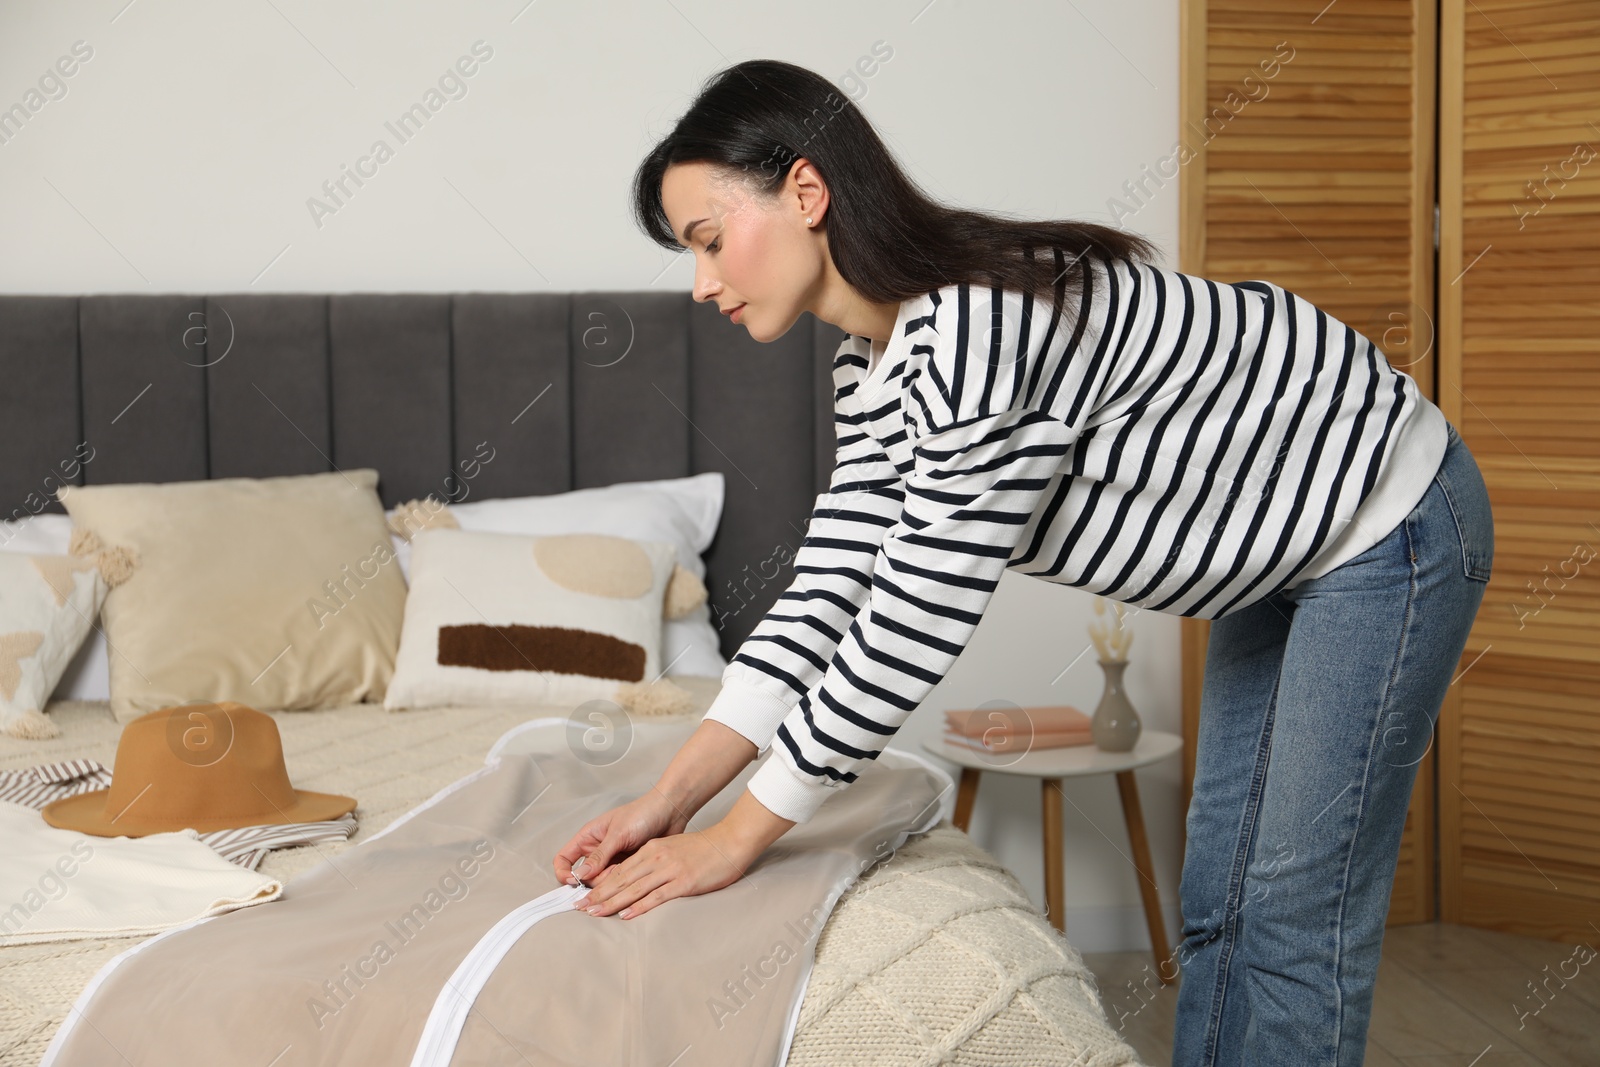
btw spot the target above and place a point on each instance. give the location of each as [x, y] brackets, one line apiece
[620, 830]
[686, 864]
[708, 761]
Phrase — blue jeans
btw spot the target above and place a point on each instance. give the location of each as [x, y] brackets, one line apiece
[1318, 703]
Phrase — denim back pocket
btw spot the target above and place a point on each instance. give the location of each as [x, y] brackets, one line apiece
[1468, 498]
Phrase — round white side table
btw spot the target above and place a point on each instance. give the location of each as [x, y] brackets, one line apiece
[1051, 766]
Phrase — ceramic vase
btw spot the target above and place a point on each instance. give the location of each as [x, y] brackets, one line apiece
[1115, 726]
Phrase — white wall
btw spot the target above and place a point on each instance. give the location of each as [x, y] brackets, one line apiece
[183, 152]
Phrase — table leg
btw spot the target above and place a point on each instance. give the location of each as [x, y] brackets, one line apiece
[966, 797]
[1054, 862]
[1134, 816]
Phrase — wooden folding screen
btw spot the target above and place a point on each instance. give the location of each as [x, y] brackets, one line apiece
[1519, 373]
[1310, 134]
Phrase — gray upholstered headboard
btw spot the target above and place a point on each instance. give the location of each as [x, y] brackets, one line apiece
[570, 390]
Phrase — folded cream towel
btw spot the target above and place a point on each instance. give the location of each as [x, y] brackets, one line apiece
[60, 885]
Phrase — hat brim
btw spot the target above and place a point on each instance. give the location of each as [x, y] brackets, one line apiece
[86, 813]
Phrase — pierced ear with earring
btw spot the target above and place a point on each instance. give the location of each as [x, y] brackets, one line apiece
[808, 220]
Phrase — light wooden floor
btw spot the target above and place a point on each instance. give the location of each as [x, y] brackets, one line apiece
[1447, 996]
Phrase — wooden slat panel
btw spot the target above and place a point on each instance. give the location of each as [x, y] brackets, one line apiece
[1321, 181]
[1519, 813]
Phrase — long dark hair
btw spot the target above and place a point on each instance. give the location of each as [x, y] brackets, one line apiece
[888, 238]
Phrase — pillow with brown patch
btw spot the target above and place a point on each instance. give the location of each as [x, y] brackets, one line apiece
[48, 604]
[509, 619]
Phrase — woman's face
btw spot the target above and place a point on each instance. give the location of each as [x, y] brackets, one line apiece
[749, 251]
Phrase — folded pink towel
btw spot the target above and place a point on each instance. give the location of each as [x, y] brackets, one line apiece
[1000, 730]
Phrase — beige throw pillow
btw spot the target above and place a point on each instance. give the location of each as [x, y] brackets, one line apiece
[279, 593]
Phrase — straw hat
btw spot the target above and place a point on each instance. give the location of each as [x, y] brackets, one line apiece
[203, 766]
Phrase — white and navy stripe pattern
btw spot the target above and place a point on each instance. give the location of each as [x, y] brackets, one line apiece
[34, 787]
[246, 846]
[1172, 442]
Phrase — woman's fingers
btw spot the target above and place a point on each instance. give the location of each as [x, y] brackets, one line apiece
[612, 838]
[571, 852]
[575, 853]
[681, 865]
[590, 852]
[625, 894]
[603, 858]
[621, 841]
[582, 843]
[613, 877]
[650, 900]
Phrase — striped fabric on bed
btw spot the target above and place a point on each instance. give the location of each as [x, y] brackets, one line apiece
[34, 787]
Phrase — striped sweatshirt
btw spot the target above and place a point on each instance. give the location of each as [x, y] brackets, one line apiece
[1172, 442]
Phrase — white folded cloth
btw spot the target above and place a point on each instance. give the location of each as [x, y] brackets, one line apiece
[60, 885]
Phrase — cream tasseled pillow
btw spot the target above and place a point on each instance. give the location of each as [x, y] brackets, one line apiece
[279, 593]
[495, 619]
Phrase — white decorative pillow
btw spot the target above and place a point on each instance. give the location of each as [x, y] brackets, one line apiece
[684, 512]
[497, 619]
[48, 603]
[45, 534]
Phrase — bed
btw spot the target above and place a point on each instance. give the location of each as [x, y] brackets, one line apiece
[937, 956]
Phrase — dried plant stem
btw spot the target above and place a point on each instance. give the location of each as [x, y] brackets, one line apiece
[1111, 644]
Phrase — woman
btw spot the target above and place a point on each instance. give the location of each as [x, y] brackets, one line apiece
[1040, 397]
